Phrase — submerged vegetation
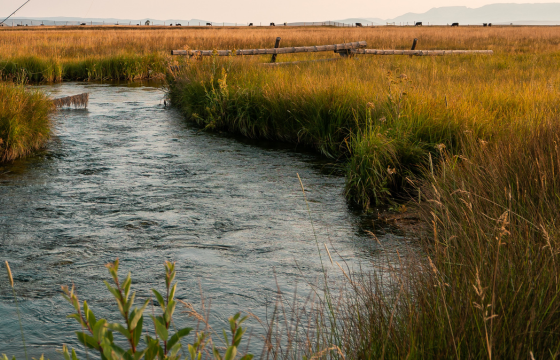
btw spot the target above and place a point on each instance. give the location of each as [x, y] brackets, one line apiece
[24, 121]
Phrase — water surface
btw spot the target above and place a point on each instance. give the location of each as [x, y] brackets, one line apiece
[128, 178]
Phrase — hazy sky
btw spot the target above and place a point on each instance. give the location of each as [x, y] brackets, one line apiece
[231, 10]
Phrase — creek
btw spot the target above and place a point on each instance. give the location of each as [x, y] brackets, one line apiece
[128, 178]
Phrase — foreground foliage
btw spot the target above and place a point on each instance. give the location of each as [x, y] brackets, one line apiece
[99, 334]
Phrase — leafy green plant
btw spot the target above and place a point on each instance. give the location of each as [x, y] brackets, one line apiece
[99, 334]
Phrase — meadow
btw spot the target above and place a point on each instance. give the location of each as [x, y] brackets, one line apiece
[468, 142]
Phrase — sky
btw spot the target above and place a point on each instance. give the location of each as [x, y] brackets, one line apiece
[241, 11]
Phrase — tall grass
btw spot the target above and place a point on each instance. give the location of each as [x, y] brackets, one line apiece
[127, 54]
[24, 121]
[383, 114]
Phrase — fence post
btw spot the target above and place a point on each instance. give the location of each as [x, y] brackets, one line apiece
[276, 47]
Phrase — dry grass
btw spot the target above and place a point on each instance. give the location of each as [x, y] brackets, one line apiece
[130, 53]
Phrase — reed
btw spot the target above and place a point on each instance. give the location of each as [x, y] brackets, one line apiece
[24, 121]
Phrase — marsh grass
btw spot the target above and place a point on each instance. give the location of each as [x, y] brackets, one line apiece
[24, 121]
[382, 116]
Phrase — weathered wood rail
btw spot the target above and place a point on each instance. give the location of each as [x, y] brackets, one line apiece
[285, 50]
[419, 52]
[80, 100]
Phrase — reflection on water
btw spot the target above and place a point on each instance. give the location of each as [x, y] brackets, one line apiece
[128, 178]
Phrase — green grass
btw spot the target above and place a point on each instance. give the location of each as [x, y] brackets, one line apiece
[114, 67]
[24, 121]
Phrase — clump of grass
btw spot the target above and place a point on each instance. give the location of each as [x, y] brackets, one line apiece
[24, 121]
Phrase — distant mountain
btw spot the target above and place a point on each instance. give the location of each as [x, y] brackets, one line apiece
[527, 14]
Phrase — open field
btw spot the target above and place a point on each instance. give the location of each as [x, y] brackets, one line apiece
[471, 142]
[127, 53]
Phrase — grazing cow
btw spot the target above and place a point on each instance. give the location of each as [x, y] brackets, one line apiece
[418, 23]
[455, 24]
[250, 24]
[208, 24]
[285, 24]
[272, 24]
[358, 24]
[489, 24]
[82, 24]
[177, 24]
[170, 24]
[484, 24]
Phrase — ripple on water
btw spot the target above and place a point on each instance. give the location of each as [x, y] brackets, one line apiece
[128, 178]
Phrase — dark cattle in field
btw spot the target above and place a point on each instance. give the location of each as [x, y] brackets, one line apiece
[170, 24]
[208, 24]
[250, 24]
[484, 24]
[455, 24]
[418, 23]
[82, 24]
[272, 24]
[177, 24]
[358, 24]
[489, 24]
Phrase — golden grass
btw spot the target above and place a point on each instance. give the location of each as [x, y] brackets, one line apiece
[137, 53]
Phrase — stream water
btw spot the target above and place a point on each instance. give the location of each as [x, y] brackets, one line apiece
[130, 179]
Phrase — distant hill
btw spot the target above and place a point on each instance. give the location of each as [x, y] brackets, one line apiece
[526, 14]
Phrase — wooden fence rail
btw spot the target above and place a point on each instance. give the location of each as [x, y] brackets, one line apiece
[285, 50]
[420, 52]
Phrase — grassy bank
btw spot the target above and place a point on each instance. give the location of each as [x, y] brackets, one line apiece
[24, 121]
[472, 140]
[384, 115]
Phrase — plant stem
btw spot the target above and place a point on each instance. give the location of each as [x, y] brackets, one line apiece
[20, 325]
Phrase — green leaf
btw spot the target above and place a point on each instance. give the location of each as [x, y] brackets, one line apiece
[87, 340]
[177, 336]
[78, 319]
[64, 352]
[217, 355]
[119, 328]
[113, 291]
[225, 336]
[247, 357]
[139, 354]
[152, 349]
[173, 350]
[138, 315]
[172, 292]
[161, 331]
[159, 299]
[130, 302]
[230, 353]
[169, 311]
[98, 329]
[74, 357]
[126, 286]
[138, 330]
